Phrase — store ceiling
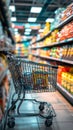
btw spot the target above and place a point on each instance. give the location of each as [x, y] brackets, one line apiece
[23, 7]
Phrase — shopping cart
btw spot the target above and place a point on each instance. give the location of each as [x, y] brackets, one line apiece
[31, 77]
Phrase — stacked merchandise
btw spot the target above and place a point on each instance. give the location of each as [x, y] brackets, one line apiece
[62, 14]
[46, 29]
[66, 32]
[57, 20]
[4, 85]
[52, 38]
[67, 12]
[21, 50]
[65, 52]
[65, 78]
[56, 36]
[32, 58]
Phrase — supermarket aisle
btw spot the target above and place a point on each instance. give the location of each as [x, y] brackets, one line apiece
[63, 119]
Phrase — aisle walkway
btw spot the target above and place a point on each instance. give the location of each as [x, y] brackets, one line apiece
[62, 121]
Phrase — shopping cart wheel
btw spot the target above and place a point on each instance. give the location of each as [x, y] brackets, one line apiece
[41, 106]
[11, 122]
[48, 122]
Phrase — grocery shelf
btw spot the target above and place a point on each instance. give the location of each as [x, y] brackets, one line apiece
[61, 43]
[58, 61]
[70, 18]
[65, 22]
[43, 38]
[5, 19]
[65, 93]
[2, 75]
[35, 55]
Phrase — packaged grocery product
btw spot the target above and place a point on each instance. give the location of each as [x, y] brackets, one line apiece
[2, 98]
[71, 52]
[71, 84]
[62, 74]
[58, 52]
[39, 77]
[46, 29]
[54, 35]
[66, 32]
[71, 70]
[67, 12]
[59, 74]
[48, 40]
[64, 80]
[64, 52]
[68, 81]
[58, 14]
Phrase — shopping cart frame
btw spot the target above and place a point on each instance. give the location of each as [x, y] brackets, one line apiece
[21, 97]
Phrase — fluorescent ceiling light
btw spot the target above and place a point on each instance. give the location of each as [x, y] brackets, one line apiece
[15, 29]
[41, 30]
[12, 8]
[36, 9]
[31, 19]
[13, 18]
[27, 33]
[28, 30]
[50, 20]
[27, 25]
[15, 33]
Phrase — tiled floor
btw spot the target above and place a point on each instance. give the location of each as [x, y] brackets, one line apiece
[62, 121]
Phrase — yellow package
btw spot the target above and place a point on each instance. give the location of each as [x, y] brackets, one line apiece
[71, 84]
[40, 79]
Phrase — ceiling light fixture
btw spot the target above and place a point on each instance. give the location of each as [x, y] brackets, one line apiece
[12, 8]
[41, 30]
[27, 33]
[50, 20]
[36, 9]
[13, 18]
[31, 19]
[28, 30]
[15, 29]
[27, 25]
[15, 33]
